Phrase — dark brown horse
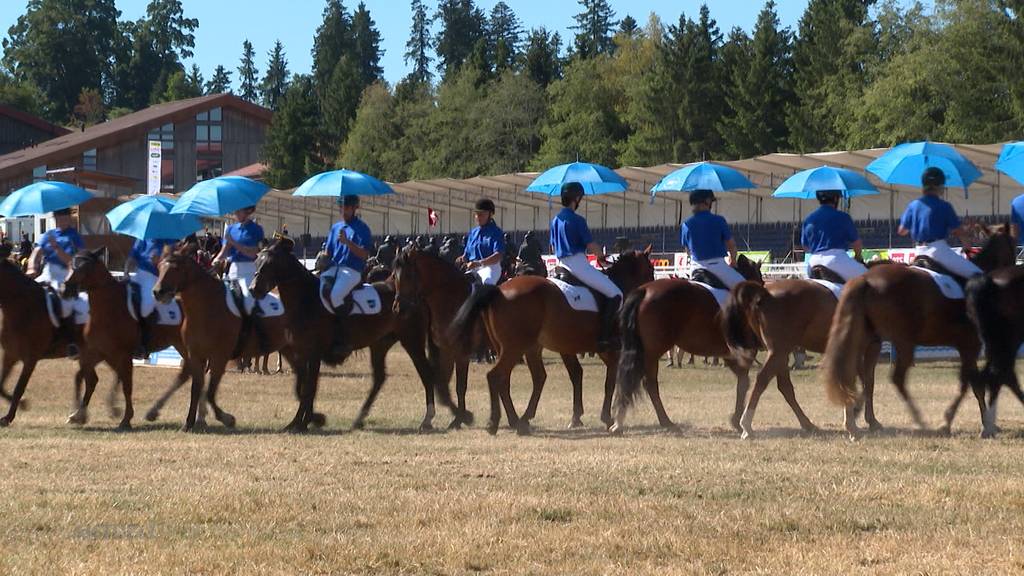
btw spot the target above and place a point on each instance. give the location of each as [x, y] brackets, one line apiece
[26, 334]
[111, 331]
[527, 314]
[310, 333]
[904, 306]
[667, 312]
[781, 317]
[211, 333]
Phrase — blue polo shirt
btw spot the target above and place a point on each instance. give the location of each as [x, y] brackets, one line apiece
[246, 233]
[484, 241]
[828, 229]
[569, 234]
[143, 252]
[359, 233]
[704, 234]
[929, 218]
[68, 240]
[1017, 213]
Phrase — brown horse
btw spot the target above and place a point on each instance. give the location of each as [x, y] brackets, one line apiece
[111, 331]
[26, 334]
[527, 314]
[311, 329]
[904, 306]
[781, 317]
[211, 333]
[667, 312]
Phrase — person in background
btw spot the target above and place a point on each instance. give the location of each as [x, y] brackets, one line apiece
[49, 263]
[707, 238]
[1017, 218]
[530, 262]
[486, 245]
[24, 248]
[929, 220]
[386, 252]
[827, 234]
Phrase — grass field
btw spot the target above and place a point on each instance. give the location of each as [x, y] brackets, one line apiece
[391, 501]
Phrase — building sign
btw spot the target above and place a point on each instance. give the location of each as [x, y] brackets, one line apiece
[153, 173]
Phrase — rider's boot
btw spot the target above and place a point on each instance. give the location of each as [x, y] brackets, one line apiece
[342, 344]
[607, 339]
[66, 330]
[141, 351]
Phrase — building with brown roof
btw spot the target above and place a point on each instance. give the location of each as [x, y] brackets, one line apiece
[21, 130]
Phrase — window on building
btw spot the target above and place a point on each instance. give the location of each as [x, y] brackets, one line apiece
[89, 160]
[209, 144]
[165, 135]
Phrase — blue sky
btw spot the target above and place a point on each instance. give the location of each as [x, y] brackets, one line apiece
[224, 24]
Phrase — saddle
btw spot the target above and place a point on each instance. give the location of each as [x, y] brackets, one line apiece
[705, 276]
[363, 300]
[824, 273]
[929, 264]
[235, 290]
[134, 300]
[564, 275]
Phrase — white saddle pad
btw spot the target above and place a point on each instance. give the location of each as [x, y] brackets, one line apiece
[836, 289]
[578, 297]
[166, 314]
[721, 295]
[79, 307]
[270, 305]
[365, 299]
[948, 285]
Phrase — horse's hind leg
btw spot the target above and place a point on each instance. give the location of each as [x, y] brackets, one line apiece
[27, 367]
[87, 374]
[124, 374]
[538, 376]
[195, 399]
[742, 385]
[6, 367]
[575, 371]
[611, 363]
[867, 376]
[654, 391]
[773, 366]
[498, 379]
[378, 368]
[216, 373]
[904, 359]
[179, 380]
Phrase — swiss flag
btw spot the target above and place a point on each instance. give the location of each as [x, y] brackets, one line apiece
[432, 217]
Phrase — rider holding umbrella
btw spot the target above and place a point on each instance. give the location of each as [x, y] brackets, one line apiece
[348, 245]
[54, 251]
[828, 233]
[240, 246]
[707, 238]
[485, 246]
[929, 220]
[146, 254]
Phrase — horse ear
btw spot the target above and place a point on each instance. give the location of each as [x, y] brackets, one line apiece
[647, 250]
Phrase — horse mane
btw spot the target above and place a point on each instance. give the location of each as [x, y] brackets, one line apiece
[405, 255]
[16, 274]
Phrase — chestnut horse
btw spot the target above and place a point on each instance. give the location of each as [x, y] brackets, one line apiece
[667, 312]
[111, 331]
[903, 305]
[211, 333]
[527, 314]
[780, 317]
[310, 333]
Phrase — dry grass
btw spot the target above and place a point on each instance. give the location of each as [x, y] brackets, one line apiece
[391, 501]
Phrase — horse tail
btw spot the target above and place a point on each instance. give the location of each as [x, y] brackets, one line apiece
[461, 330]
[739, 319]
[631, 357]
[847, 340]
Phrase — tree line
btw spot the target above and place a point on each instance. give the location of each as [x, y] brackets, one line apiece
[484, 95]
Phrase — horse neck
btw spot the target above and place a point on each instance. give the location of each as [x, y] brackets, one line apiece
[993, 256]
[12, 283]
[203, 294]
[449, 290]
[298, 287]
[102, 288]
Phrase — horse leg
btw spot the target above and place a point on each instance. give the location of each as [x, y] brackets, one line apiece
[87, 374]
[124, 374]
[742, 385]
[195, 398]
[461, 385]
[378, 368]
[179, 380]
[575, 371]
[497, 382]
[216, 373]
[112, 408]
[785, 385]
[27, 367]
[904, 359]
[300, 369]
[611, 363]
[6, 368]
[654, 393]
[867, 377]
[313, 375]
[538, 376]
[770, 370]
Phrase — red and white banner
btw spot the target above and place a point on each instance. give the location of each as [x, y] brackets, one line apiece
[432, 217]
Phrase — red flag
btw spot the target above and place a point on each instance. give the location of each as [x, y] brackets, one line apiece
[432, 217]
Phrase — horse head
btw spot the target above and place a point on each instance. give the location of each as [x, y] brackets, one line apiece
[272, 265]
[631, 269]
[749, 269]
[998, 249]
[87, 270]
[177, 269]
[406, 278]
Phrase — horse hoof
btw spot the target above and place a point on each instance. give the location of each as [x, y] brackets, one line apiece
[875, 426]
[358, 425]
[616, 429]
[200, 426]
[575, 424]
[77, 419]
[988, 434]
[456, 424]
[747, 435]
[227, 420]
[523, 428]
[426, 427]
[116, 413]
[124, 427]
[152, 416]
[467, 417]
[492, 428]
[318, 420]
[5, 422]
[186, 429]
[735, 423]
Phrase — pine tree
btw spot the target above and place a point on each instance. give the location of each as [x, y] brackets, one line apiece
[220, 82]
[462, 26]
[417, 48]
[275, 82]
[288, 152]
[594, 28]
[366, 46]
[370, 147]
[195, 79]
[701, 105]
[338, 105]
[333, 39]
[248, 74]
[177, 87]
[541, 60]
[628, 27]
[505, 34]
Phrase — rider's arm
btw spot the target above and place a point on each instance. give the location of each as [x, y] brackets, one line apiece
[730, 245]
[64, 256]
[34, 260]
[250, 251]
[902, 231]
[492, 259]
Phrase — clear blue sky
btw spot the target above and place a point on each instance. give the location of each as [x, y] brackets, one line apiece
[224, 24]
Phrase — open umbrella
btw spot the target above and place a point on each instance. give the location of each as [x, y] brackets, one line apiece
[596, 179]
[338, 183]
[702, 176]
[150, 218]
[42, 197]
[808, 183]
[905, 163]
[1011, 161]
[220, 195]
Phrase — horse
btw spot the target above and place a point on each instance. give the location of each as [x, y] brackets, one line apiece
[667, 312]
[903, 305]
[111, 331]
[26, 334]
[310, 331]
[527, 314]
[211, 333]
[781, 317]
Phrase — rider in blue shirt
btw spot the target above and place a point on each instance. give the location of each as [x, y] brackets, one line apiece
[53, 253]
[827, 234]
[571, 240]
[348, 245]
[485, 245]
[708, 239]
[1017, 217]
[240, 246]
[146, 254]
[929, 220]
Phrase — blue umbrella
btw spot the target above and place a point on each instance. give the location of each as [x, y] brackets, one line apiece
[219, 196]
[905, 163]
[150, 218]
[596, 179]
[808, 183]
[702, 176]
[1011, 161]
[42, 197]
[338, 183]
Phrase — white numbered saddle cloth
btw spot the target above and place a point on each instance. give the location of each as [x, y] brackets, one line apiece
[579, 297]
[948, 285]
[832, 287]
[721, 295]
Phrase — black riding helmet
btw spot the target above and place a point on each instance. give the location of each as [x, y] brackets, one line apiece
[933, 177]
[829, 196]
[701, 196]
[570, 192]
[484, 205]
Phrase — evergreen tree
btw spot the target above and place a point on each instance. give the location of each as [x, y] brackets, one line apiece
[594, 28]
[628, 27]
[154, 49]
[541, 60]
[275, 82]
[508, 132]
[448, 145]
[248, 74]
[463, 25]
[333, 39]
[366, 46]
[651, 112]
[370, 147]
[177, 87]
[417, 48]
[338, 105]
[288, 152]
[220, 82]
[702, 105]
[505, 36]
[195, 79]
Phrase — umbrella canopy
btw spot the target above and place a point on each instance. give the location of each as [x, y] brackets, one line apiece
[338, 183]
[702, 176]
[905, 163]
[596, 179]
[808, 183]
[220, 195]
[1011, 161]
[150, 218]
[42, 197]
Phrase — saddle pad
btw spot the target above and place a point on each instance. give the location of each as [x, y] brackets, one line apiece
[365, 299]
[579, 297]
[270, 305]
[836, 289]
[720, 294]
[948, 285]
[55, 308]
[168, 314]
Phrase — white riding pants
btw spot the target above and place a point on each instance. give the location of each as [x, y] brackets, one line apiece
[146, 281]
[489, 275]
[244, 272]
[721, 269]
[940, 252]
[581, 268]
[54, 275]
[838, 261]
[345, 280]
